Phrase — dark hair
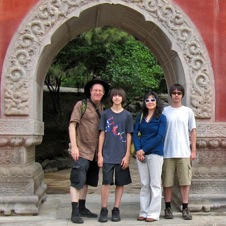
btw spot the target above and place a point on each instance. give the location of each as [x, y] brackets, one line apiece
[118, 91]
[178, 87]
[159, 107]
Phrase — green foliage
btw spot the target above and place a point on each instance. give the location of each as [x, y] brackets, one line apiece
[113, 55]
[133, 68]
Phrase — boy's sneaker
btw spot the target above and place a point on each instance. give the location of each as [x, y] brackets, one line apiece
[168, 213]
[186, 214]
[115, 214]
[103, 215]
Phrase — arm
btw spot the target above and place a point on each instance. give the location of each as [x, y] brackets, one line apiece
[100, 149]
[72, 135]
[125, 160]
[193, 144]
[135, 137]
[136, 140]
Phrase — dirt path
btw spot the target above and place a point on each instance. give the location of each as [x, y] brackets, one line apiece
[59, 183]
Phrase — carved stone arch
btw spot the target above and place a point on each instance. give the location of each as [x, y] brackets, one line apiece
[161, 25]
[50, 25]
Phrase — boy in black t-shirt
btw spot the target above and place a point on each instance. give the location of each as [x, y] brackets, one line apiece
[116, 126]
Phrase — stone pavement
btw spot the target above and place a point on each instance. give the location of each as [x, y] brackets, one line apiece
[56, 210]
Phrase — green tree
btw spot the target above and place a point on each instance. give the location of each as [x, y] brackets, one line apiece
[133, 68]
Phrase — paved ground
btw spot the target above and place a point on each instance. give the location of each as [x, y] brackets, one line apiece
[56, 210]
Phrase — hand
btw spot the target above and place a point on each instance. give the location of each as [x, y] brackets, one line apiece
[193, 155]
[140, 153]
[141, 158]
[125, 162]
[100, 161]
[75, 153]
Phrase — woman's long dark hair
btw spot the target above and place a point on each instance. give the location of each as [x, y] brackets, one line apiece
[159, 107]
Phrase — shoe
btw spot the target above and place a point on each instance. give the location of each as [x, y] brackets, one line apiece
[140, 218]
[186, 214]
[150, 220]
[168, 213]
[87, 213]
[115, 215]
[103, 215]
[75, 218]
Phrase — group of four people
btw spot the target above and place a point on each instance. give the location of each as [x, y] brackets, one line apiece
[164, 141]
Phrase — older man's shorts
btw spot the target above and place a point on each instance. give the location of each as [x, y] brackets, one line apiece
[176, 166]
[84, 172]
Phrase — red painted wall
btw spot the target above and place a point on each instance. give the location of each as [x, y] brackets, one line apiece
[209, 16]
[11, 14]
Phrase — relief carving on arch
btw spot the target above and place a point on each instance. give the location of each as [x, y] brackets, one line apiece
[50, 12]
[194, 53]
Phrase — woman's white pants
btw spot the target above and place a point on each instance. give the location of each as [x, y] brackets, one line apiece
[150, 193]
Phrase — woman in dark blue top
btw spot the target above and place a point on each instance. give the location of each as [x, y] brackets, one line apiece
[148, 139]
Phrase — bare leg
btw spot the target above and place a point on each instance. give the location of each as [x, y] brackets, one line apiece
[74, 194]
[104, 195]
[168, 194]
[83, 192]
[118, 195]
[185, 193]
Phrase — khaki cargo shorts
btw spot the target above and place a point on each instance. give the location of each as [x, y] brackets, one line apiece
[176, 166]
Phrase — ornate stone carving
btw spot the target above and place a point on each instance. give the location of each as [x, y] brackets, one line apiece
[51, 12]
[22, 127]
[12, 156]
[190, 44]
[211, 129]
[20, 141]
[208, 187]
[209, 172]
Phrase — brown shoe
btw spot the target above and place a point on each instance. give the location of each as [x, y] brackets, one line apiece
[141, 218]
[150, 220]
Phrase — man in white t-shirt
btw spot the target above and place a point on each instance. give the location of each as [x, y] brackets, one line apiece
[179, 150]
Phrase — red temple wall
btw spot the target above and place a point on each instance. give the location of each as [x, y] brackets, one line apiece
[210, 19]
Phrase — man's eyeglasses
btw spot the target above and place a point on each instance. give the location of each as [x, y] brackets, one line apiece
[150, 100]
[177, 93]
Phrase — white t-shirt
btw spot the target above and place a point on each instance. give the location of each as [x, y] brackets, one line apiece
[180, 121]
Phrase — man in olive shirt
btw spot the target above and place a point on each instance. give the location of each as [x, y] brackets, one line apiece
[84, 133]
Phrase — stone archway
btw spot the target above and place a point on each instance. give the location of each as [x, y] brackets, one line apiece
[50, 25]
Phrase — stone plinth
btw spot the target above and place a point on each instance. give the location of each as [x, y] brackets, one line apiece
[22, 189]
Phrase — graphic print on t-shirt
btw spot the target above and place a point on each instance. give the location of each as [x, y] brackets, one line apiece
[111, 126]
